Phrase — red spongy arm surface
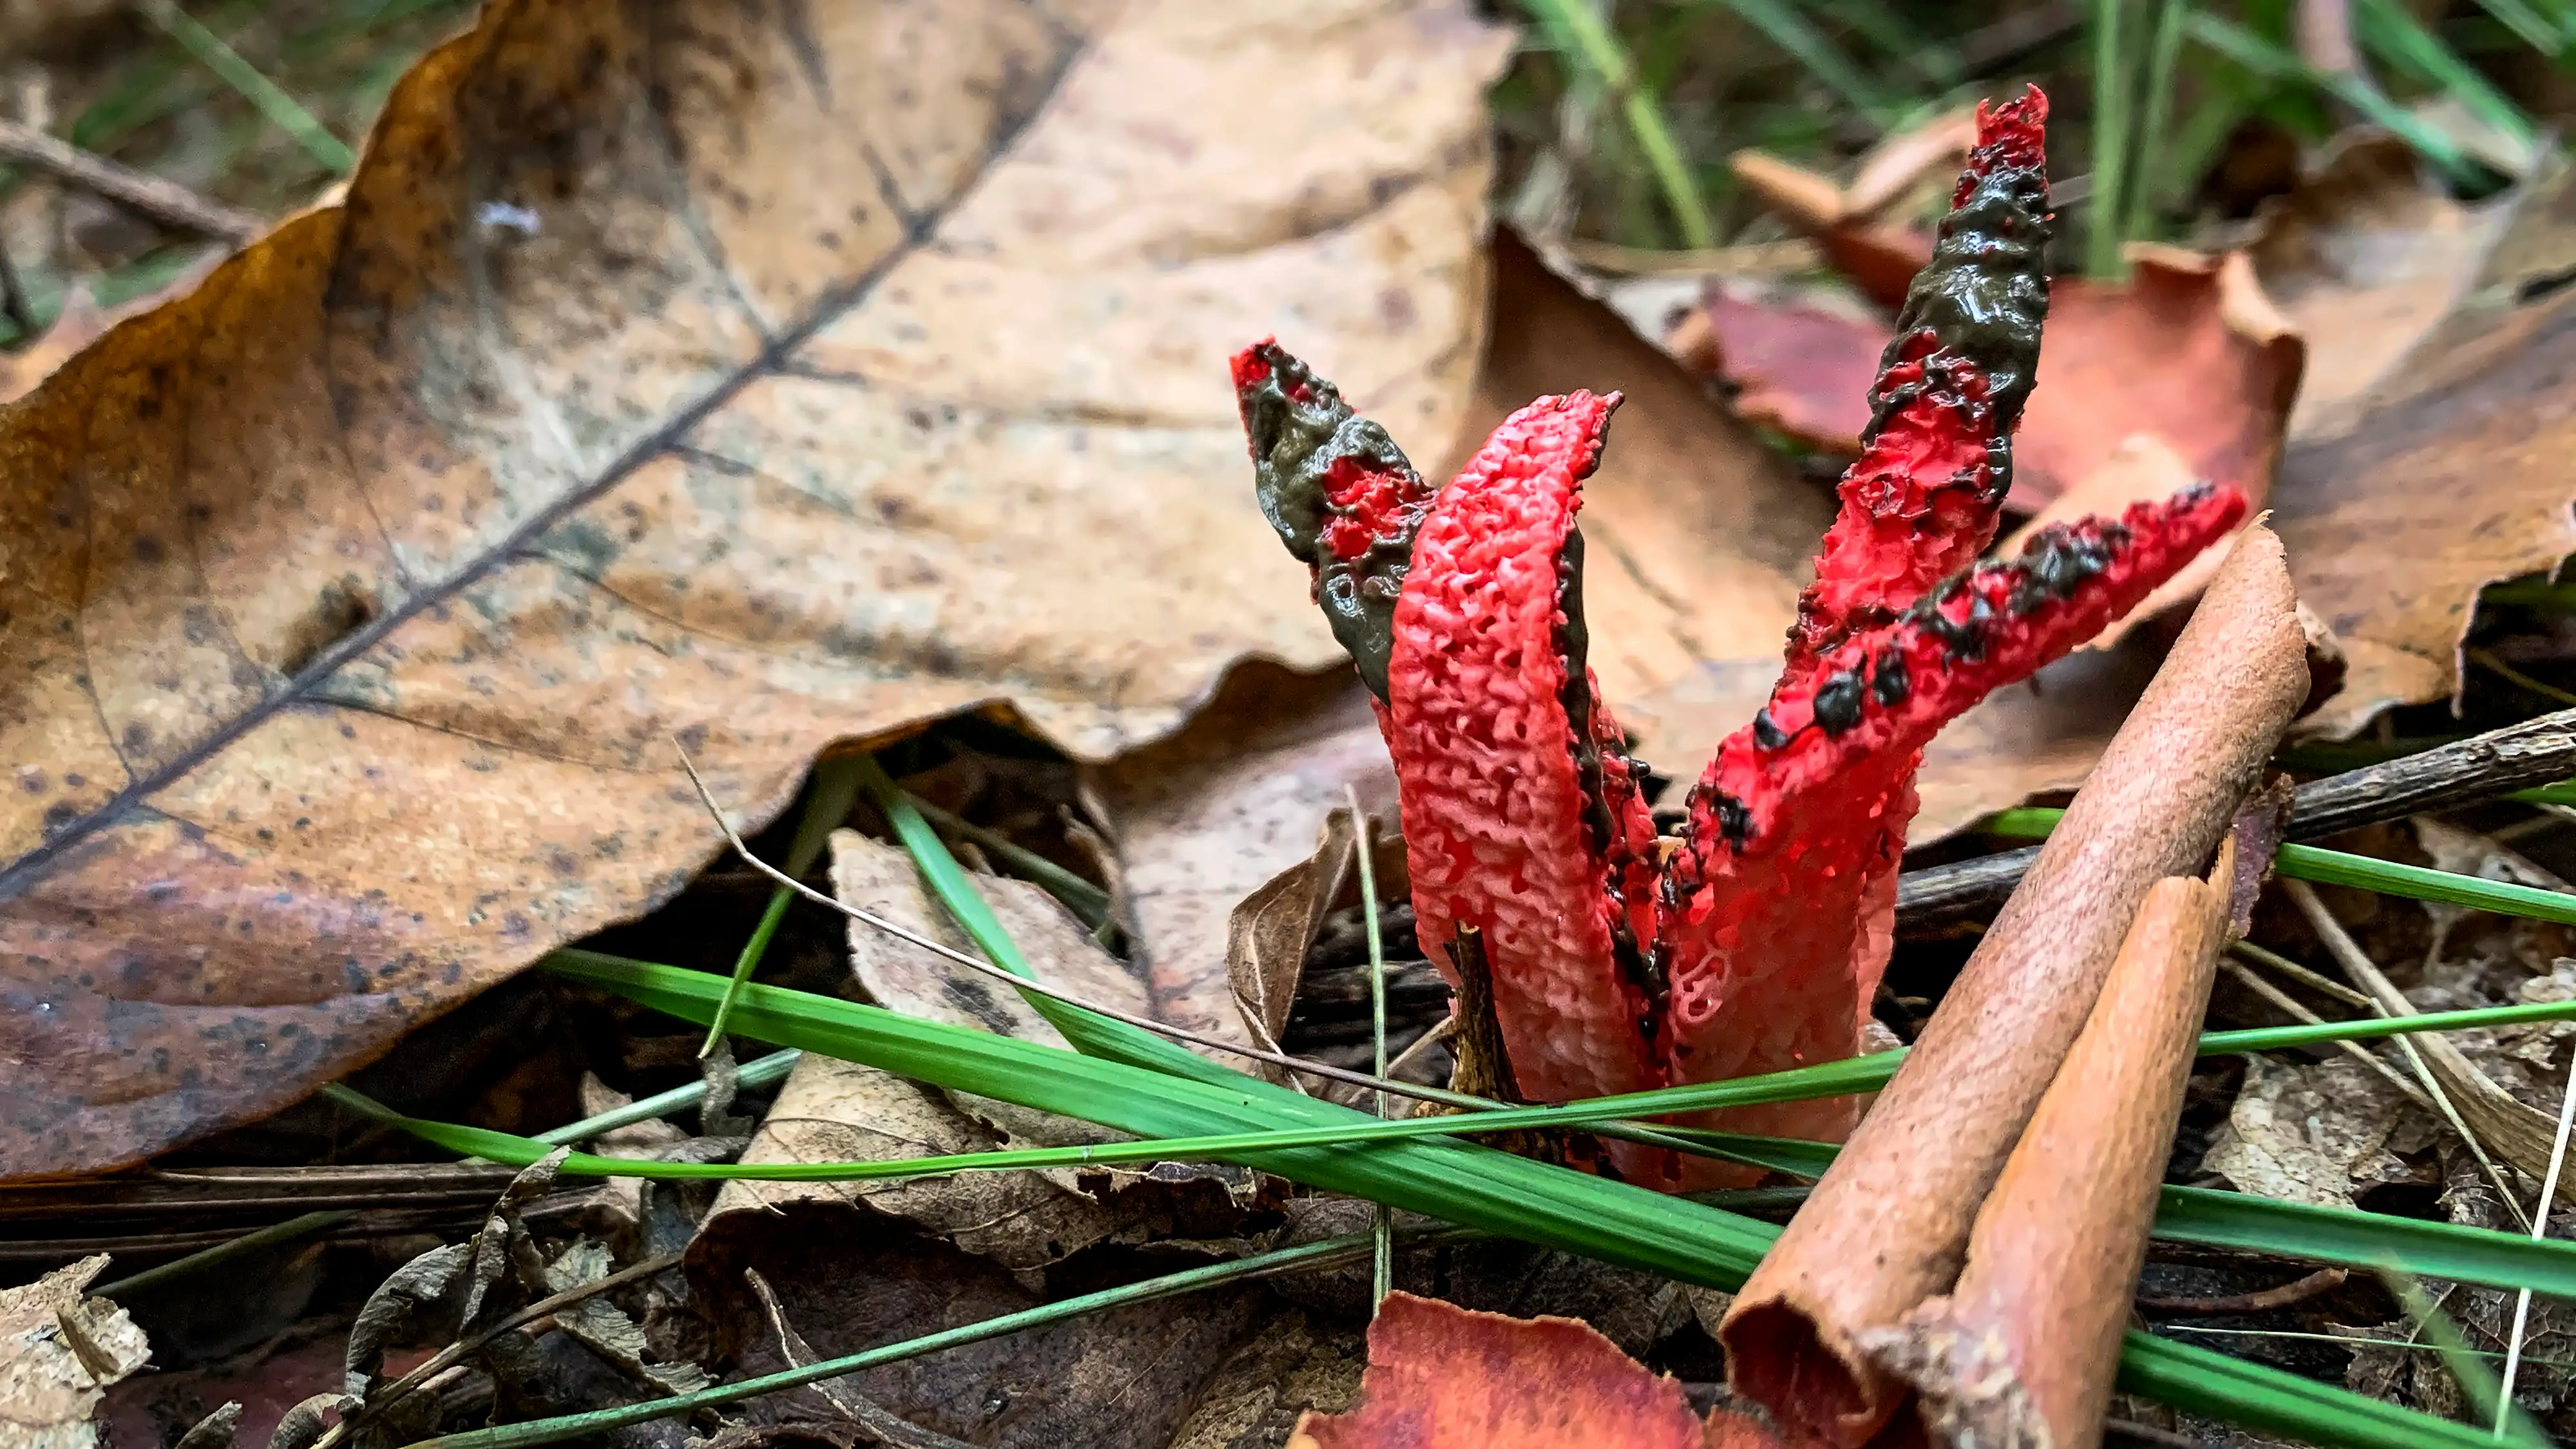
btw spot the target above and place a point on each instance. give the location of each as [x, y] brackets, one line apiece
[1494, 736]
[1789, 833]
[1924, 497]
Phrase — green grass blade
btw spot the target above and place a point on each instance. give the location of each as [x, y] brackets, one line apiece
[2163, 51]
[599, 1421]
[2335, 867]
[836, 789]
[2477, 1382]
[1087, 901]
[280, 108]
[1532, 1201]
[1587, 43]
[2113, 139]
[2387, 30]
[2269, 1401]
[1798, 1084]
[2270, 61]
[1090, 1033]
[1445, 1178]
[2211, 1218]
[1783, 26]
[997, 1066]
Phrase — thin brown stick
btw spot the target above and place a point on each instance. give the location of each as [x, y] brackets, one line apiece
[1888, 1225]
[880, 1422]
[2353, 1049]
[2538, 751]
[2298, 1290]
[157, 197]
[2477, 1109]
[2023, 1350]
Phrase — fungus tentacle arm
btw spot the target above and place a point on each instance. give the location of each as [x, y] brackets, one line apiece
[1923, 499]
[1521, 815]
[1767, 946]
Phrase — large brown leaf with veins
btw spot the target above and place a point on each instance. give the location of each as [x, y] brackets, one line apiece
[758, 374]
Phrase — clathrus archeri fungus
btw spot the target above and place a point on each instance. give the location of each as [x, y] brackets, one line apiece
[1756, 944]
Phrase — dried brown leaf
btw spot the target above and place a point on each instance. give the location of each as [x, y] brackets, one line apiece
[60, 1350]
[1207, 818]
[760, 375]
[2309, 1133]
[2364, 257]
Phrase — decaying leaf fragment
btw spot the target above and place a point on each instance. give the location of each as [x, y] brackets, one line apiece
[59, 1351]
[761, 375]
[1440, 1375]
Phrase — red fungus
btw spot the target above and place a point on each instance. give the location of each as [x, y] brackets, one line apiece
[1758, 943]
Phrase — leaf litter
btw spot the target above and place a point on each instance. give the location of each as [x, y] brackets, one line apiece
[1208, 811]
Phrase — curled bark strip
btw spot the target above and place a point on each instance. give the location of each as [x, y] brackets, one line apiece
[1888, 1225]
[2022, 1351]
[2536, 752]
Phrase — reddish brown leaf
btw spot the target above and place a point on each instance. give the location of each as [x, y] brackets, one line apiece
[1445, 1377]
[1795, 366]
[2187, 353]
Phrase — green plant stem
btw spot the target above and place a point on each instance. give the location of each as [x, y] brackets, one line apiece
[2388, 877]
[2113, 80]
[1591, 45]
[2206, 1217]
[2477, 1382]
[1783, 26]
[2388, 30]
[836, 789]
[1534, 1202]
[2163, 51]
[1383, 1227]
[1828, 1079]
[292, 1230]
[1326, 1253]
[1084, 899]
[2271, 62]
[279, 107]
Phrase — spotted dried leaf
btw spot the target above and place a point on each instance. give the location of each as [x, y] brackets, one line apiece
[756, 374]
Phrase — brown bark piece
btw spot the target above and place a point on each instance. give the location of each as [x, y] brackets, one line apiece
[2023, 1350]
[1888, 1226]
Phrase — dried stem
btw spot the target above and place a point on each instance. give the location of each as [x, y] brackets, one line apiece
[1889, 1223]
[2023, 1350]
[159, 198]
[2536, 752]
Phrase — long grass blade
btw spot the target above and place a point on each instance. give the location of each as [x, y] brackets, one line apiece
[2114, 82]
[2388, 877]
[1532, 1201]
[2221, 1219]
[2468, 1369]
[2272, 62]
[1782, 25]
[2389, 31]
[836, 789]
[280, 108]
[2207, 1217]
[1580, 32]
[1323, 1254]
